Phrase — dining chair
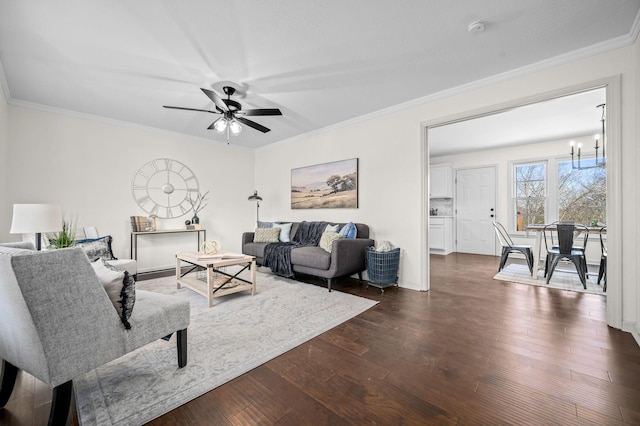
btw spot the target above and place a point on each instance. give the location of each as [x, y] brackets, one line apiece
[602, 272]
[578, 243]
[566, 234]
[508, 247]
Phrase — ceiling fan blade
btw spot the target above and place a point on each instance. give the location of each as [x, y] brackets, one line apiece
[216, 99]
[190, 109]
[262, 111]
[253, 124]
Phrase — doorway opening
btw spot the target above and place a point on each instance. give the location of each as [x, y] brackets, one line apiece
[536, 117]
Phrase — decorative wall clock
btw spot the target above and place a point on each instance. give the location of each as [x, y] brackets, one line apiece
[164, 188]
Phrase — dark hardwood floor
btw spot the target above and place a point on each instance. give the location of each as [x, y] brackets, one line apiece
[472, 350]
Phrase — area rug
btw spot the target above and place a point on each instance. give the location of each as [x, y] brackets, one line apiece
[564, 280]
[240, 332]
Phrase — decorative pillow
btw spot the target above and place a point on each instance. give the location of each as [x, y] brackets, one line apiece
[97, 248]
[128, 298]
[265, 224]
[120, 287]
[332, 228]
[349, 230]
[285, 231]
[327, 239]
[266, 235]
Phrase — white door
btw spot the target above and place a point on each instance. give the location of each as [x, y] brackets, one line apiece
[476, 205]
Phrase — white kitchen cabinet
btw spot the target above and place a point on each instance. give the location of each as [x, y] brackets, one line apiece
[441, 182]
[440, 234]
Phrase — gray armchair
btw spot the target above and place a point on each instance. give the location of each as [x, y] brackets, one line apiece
[57, 322]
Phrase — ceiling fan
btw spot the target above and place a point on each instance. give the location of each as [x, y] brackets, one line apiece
[231, 113]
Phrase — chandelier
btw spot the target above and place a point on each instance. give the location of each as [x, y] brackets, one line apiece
[599, 162]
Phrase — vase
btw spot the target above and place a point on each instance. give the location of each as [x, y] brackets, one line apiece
[195, 219]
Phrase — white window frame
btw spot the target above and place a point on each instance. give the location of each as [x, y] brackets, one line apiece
[512, 190]
[551, 187]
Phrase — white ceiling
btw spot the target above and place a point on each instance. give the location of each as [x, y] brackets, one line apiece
[561, 118]
[320, 62]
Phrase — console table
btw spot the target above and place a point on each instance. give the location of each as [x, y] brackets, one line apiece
[135, 235]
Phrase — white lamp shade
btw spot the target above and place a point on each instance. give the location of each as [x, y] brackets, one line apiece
[36, 218]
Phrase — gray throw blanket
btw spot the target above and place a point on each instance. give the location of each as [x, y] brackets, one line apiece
[277, 256]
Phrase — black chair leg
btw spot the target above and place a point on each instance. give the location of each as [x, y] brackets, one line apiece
[8, 380]
[529, 258]
[551, 263]
[586, 268]
[60, 404]
[503, 258]
[547, 261]
[329, 283]
[601, 269]
[582, 273]
[182, 347]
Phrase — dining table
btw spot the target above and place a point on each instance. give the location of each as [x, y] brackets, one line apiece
[537, 247]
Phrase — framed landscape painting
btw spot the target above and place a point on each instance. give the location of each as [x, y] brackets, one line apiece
[325, 186]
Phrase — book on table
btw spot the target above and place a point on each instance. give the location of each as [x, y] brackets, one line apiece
[141, 224]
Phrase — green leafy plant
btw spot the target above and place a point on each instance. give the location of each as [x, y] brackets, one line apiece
[64, 238]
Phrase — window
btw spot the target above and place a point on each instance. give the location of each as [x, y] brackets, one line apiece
[546, 191]
[530, 194]
[582, 194]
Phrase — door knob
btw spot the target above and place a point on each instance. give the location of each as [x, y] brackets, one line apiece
[491, 215]
[491, 209]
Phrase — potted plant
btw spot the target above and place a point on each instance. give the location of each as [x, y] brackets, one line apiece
[64, 238]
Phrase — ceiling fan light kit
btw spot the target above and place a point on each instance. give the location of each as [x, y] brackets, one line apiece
[235, 127]
[220, 125]
[231, 113]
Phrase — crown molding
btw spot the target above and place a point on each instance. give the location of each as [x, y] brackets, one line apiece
[5, 84]
[563, 59]
[635, 29]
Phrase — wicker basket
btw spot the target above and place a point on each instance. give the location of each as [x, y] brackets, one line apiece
[382, 267]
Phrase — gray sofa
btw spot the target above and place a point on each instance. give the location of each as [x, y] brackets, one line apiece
[58, 322]
[346, 258]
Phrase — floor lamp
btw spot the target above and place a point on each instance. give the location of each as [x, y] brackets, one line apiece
[255, 197]
[36, 218]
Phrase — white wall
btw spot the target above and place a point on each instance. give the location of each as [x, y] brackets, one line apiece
[5, 208]
[87, 165]
[389, 182]
[389, 148]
